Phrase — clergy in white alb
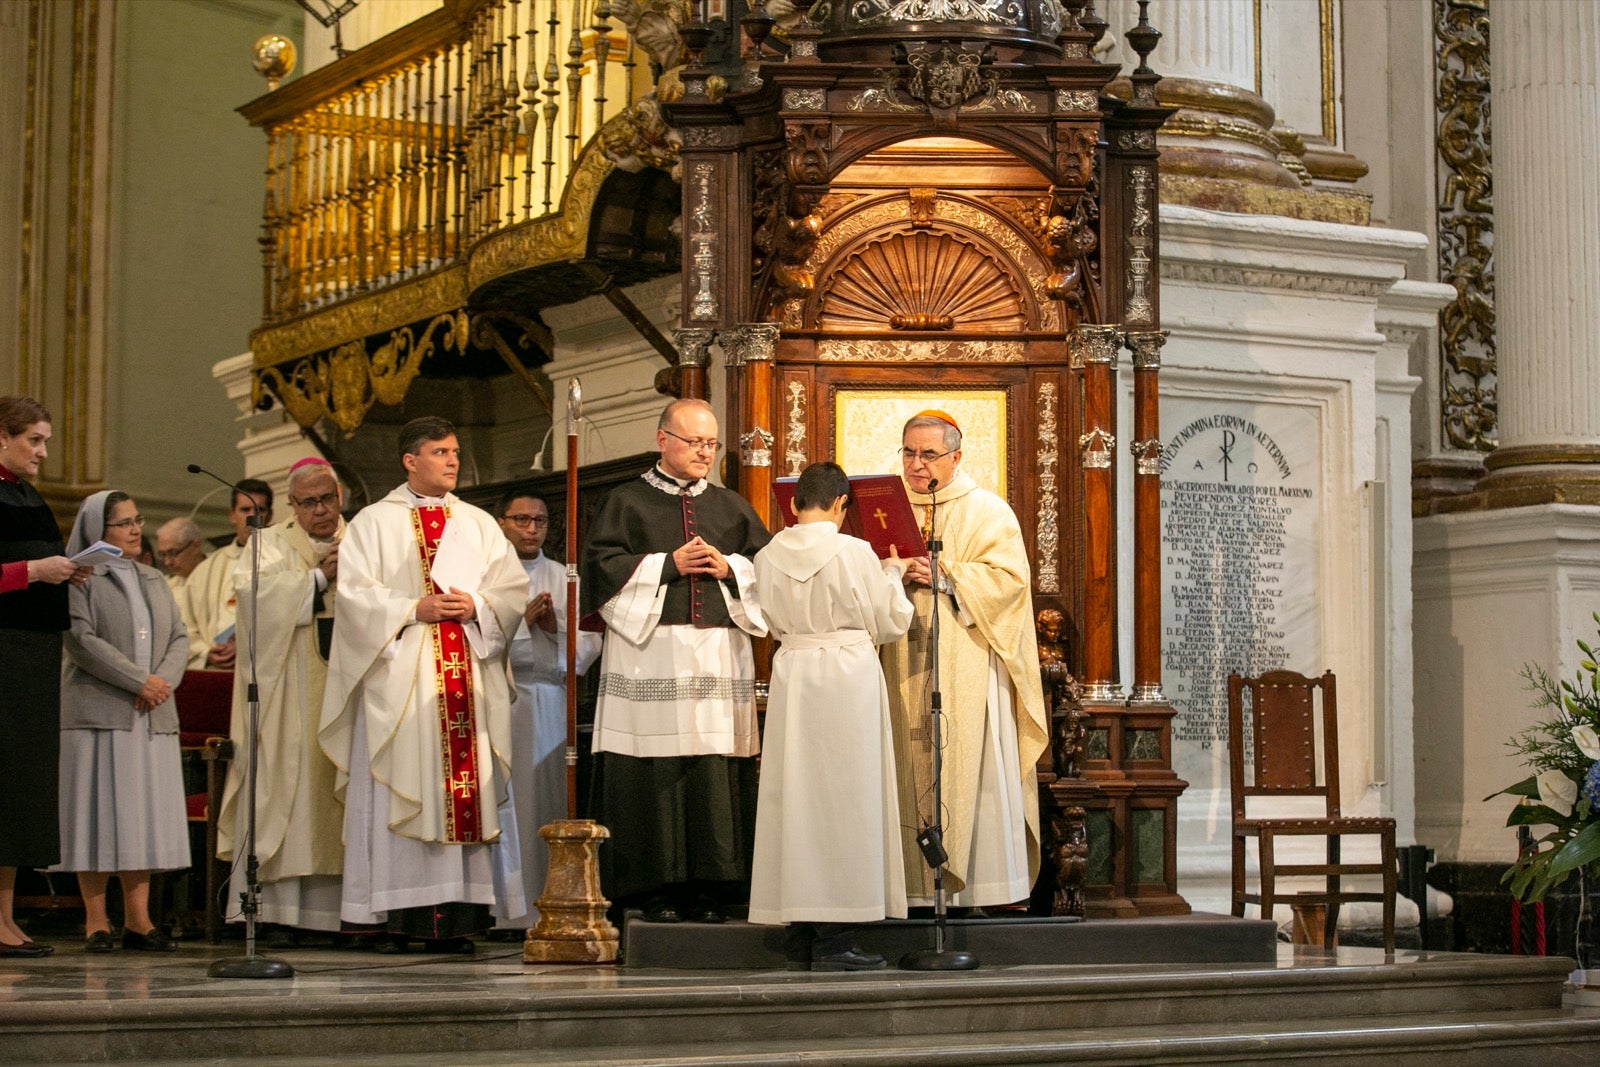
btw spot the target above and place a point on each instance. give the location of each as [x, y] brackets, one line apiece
[417, 713]
[539, 668]
[828, 815]
[207, 601]
[299, 844]
[994, 721]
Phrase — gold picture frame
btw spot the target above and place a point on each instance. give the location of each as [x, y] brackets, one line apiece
[867, 423]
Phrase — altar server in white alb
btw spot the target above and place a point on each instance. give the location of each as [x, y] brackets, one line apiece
[827, 848]
[417, 714]
[539, 668]
[299, 821]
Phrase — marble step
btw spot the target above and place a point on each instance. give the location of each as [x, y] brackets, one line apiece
[603, 1018]
[1549, 1038]
[996, 941]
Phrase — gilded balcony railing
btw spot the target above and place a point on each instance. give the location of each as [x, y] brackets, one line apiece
[391, 162]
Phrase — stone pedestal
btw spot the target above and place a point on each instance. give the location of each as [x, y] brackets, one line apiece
[572, 926]
[1494, 590]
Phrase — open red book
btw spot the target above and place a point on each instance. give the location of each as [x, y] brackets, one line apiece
[879, 513]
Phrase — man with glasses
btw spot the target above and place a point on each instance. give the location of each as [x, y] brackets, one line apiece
[299, 820]
[668, 570]
[993, 727]
[180, 549]
[206, 600]
[538, 657]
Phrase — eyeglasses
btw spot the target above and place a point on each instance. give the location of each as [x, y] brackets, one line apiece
[174, 553]
[927, 455]
[137, 520]
[712, 446]
[329, 501]
[522, 522]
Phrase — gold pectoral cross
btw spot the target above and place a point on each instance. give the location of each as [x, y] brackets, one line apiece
[454, 666]
[882, 517]
[463, 786]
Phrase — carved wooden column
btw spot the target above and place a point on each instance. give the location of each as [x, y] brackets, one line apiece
[694, 347]
[1093, 352]
[750, 347]
[1146, 448]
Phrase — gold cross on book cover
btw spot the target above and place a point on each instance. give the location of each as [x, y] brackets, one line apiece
[879, 513]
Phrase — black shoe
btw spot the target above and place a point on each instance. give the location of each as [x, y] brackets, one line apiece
[661, 910]
[26, 951]
[851, 959]
[390, 944]
[706, 910]
[98, 942]
[154, 941]
[449, 946]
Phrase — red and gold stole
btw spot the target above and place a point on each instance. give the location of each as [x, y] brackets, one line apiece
[458, 720]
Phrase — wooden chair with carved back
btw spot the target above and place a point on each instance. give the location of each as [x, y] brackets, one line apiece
[1281, 760]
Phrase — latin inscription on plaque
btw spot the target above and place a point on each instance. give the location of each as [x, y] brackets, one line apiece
[1240, 511]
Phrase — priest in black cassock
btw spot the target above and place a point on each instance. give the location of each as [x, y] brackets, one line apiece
[668, 569]
[33, 613]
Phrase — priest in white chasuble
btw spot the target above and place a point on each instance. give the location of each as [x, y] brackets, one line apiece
[667, 568]
[206, 602]
[539, 668]
[417, 712]
[299, 821]
[994, 727]
[827, 848]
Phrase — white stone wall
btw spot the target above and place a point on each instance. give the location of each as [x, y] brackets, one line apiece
[1318, 318]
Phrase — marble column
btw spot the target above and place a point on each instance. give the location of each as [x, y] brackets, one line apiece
[1547, 212]
[1226, 149]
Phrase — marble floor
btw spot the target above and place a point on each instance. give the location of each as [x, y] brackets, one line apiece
[43, 1002]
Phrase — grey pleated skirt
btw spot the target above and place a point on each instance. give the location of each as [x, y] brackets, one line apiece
[122, 805]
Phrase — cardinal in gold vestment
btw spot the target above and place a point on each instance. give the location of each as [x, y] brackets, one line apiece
[994, 726]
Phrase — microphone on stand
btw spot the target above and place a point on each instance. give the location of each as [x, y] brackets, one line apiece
[251, 965]
[931, 840]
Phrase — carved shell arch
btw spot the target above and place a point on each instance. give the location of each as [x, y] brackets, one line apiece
[921, 281]
[967, 268]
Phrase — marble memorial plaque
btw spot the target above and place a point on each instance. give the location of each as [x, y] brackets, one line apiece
[1241, 508]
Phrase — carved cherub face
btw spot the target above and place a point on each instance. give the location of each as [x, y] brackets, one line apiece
[1048, 622]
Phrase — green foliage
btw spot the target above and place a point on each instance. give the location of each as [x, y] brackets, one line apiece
[1550, 748]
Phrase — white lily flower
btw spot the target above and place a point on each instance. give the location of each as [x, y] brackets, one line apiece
[1557, 792]
[1587, 740]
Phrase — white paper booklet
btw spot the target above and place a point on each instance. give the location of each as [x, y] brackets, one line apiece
[457, 563]
[97, 553]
